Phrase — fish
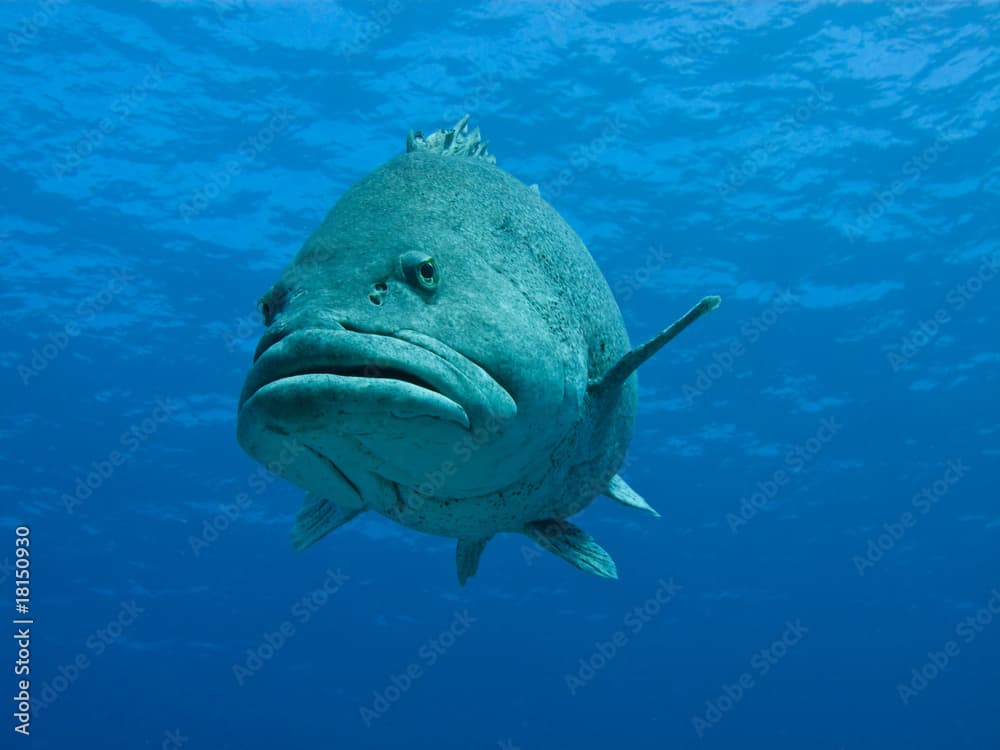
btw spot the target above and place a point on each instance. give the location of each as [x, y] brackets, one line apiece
[444, 351]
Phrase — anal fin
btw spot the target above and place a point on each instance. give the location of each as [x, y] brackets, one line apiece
[573, 545]
[467, 555]
[318, 518]
[619, 490]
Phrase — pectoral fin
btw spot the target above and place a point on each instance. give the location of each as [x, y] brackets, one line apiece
[318, 518]
[573, 545]
[628, 364]
[620, 491]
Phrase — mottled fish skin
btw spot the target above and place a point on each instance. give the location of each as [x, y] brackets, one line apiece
[443, 351]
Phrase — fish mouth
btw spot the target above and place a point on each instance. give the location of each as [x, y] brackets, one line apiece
[405, 373]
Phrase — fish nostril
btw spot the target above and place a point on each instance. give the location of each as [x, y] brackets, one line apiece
[378, 292]
[272, 302]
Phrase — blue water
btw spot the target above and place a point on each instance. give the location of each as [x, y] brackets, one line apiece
[823, 448]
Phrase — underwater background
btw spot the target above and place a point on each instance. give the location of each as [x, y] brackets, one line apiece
[824, 448]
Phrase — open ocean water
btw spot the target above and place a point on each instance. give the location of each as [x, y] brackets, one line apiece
[824, 448]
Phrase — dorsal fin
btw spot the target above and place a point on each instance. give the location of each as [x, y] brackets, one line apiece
[455, 141]
[625, 366]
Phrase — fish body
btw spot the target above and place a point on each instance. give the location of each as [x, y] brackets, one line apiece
[444, 351]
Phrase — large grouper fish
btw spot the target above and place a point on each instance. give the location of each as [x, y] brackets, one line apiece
[444, 351]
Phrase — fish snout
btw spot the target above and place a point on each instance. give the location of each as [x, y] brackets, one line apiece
[283, 326]
[272, 336]
[282, 318]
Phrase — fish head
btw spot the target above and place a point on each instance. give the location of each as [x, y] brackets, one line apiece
[406, 344]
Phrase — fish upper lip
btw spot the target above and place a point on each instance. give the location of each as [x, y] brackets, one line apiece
[408, 357]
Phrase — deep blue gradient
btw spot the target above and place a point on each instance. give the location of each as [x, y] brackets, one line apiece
[830, 169]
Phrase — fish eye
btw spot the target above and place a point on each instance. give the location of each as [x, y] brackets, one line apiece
[428, 272]
[421, 270]
[265, 311]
